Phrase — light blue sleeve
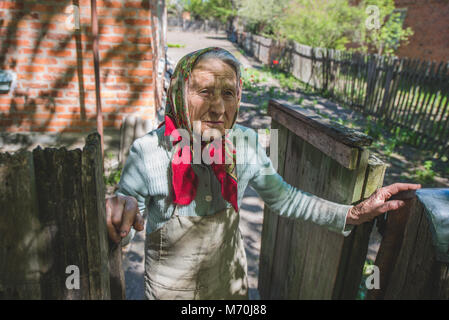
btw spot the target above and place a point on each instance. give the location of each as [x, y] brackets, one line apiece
[288, 201]
[134, 182]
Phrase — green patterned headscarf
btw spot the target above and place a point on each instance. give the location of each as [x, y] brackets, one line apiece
[177, 116]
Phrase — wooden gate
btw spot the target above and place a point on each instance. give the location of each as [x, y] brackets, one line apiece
[53, 222]
[300, 260]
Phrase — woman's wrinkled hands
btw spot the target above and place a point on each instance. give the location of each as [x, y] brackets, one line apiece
[378, 203]
[122, 212]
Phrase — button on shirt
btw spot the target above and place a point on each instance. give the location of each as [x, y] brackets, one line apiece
[146, 176]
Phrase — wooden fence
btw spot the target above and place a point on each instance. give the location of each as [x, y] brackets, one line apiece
[409, 94]
[52, 216]
[300, 260]
[412, 262]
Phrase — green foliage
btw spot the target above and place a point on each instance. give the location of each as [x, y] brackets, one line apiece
[251, 77]
[262, 17]
[109, 155]
[114, 177]
[209, 9]
[372, 24]
[320, 23]
[382, 27]
[361, 294]
[425, 175]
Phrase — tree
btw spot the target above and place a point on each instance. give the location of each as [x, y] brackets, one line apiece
[262, 17]
[209, 9]
[320, 23]
[383, 29]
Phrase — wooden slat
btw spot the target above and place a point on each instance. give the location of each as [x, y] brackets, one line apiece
[412, 94]
[393, 94]
[59, 185]
[20, 229]
[270, 222]
[421, 96]
[56, 217]
[356, 245]
[95, 217]
[336, 141]
[417, 274]
[405, 86]
[422, 122]
[314, 253]
[387, 87]
[432, 121]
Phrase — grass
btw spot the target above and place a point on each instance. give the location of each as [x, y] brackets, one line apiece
[426, 174]
[173, 45]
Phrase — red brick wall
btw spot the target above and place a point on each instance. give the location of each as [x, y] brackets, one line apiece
[429, 20]
[55, 89]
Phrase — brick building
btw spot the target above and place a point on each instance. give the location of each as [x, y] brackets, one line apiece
[46, 46]
[429, 20]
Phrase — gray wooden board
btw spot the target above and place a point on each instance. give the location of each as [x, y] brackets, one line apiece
[20, 229]
[270, 222]
[53, 218]
[308, 255]
[59, 189]
[356, 245]
[334, 140]
[417, 274]
[95, 217]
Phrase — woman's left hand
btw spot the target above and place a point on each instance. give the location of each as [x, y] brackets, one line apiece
[378, 203]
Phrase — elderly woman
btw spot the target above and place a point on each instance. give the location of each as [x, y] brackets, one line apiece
[193, 248]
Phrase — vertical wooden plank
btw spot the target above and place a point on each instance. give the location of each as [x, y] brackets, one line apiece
[393, 94]
[20, 240]
[432, 91]
[417, 274]
[429, 123]
[378, 86]
[409, 72]
[406, 73]
[371, 68]
[95, 217]
[282, 240]
[412, 93]
[444, 131]
[127, 136]
[356, 245]
[270, 222]
[65, 225]
[315, 253]
[60, 203]
[423, 93]
[364, 81]
[437, 131]
[387, 88]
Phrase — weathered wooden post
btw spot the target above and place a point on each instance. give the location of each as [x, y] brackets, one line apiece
[131, 129]
[413, 258]
[300, 260]
[53, 226]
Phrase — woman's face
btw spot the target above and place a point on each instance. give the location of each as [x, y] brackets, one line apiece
[212, 95]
